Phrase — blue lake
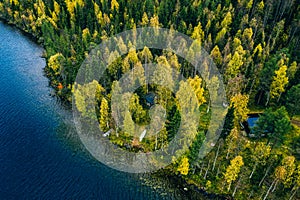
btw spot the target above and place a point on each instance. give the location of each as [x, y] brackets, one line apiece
[41, 156]
[251, 121]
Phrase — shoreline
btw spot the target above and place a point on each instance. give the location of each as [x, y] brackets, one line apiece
[24, 32]
[185, 187]
[173, 179]
[249, 58]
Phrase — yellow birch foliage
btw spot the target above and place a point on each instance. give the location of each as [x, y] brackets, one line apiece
[114, 5]
[103, 122]
[195, 83]
[280, 80]
[240, 102]
[233, 170]
[184, 166]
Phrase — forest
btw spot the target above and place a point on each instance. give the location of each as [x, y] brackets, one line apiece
[255, 45]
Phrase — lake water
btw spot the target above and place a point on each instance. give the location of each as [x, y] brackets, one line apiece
[251, 121]
[41, 156]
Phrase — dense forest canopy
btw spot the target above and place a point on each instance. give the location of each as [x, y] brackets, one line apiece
[255, 44]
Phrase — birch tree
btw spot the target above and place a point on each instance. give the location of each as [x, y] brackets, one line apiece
[184, 166]
[233, 170]
[279, 82]
[259, 155]
[104, 118]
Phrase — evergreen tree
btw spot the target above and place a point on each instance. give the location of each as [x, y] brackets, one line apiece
[293, 100]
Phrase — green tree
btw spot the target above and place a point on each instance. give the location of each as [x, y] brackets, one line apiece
[138, 113]
[189, 111]
[231, 141]
[283, 174]
[117, 108]
[128, 124]
[293, 100]
[115, 64]
[267, 74]
[220, 36]
[289, 164]
[292, 70]
[186, 98]
[163, 79]
[280, 174]
[296, 182]
[213, 87]
[235, 86]
[259, 154]
[273, 124]
[260, 6]
[85, 101]
[277, 31]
